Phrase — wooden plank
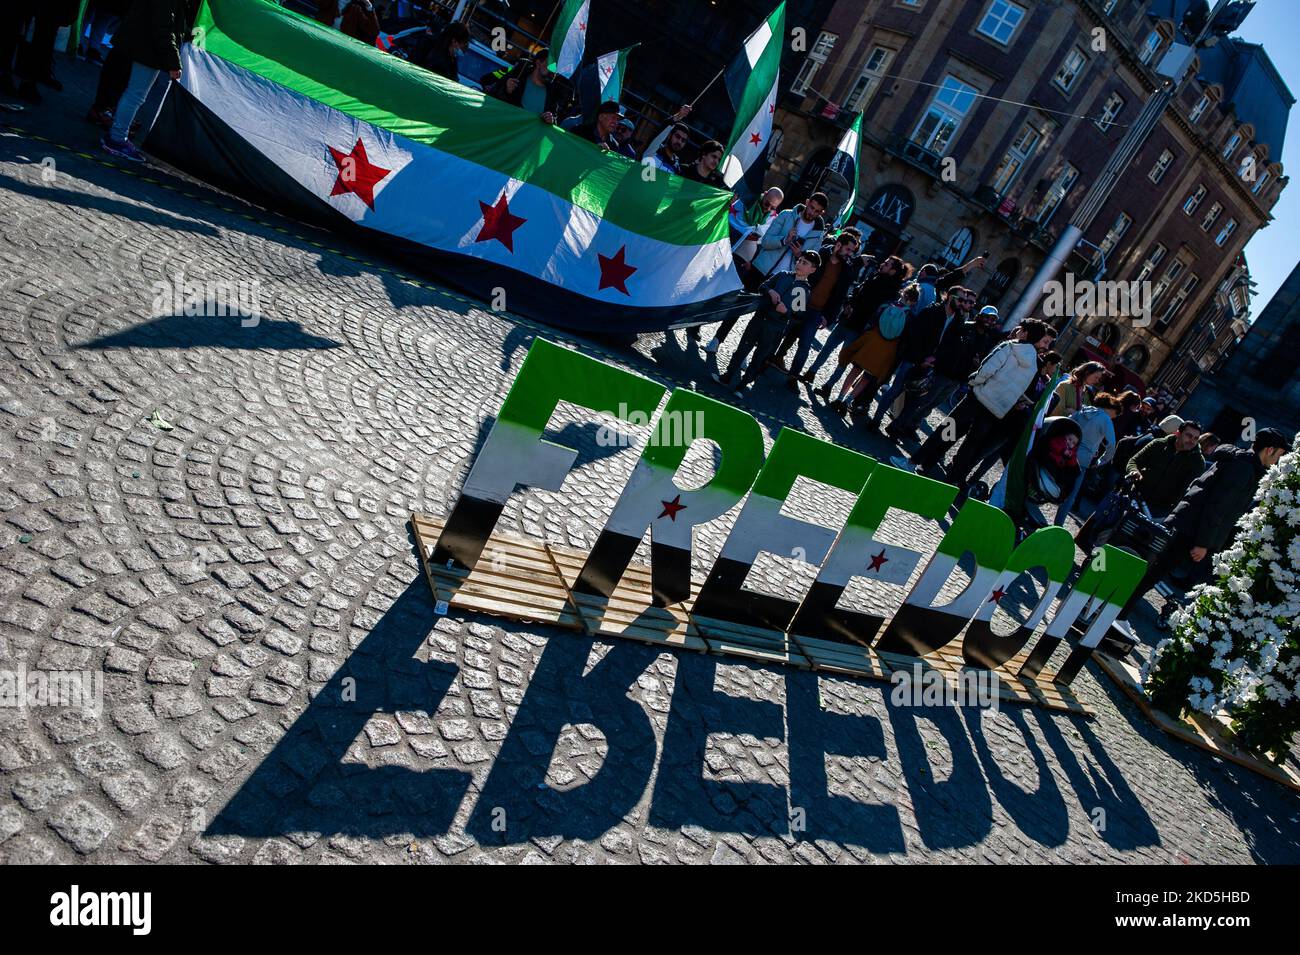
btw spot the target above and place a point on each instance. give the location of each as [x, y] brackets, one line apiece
[533, 580]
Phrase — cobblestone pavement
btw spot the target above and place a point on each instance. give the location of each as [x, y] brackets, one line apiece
[229, 572]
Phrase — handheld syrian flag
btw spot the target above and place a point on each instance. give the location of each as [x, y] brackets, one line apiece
[569, 38]
[845, 163]
[1009, 494]
[306, 121]
[752, 84]
[610, 68]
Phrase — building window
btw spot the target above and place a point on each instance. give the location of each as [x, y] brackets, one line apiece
[1135, 357]
[1109, 6]
[1260, 183]
[1176, 302]
[1114, 234]
[1211, 216]
[1194, 200]
[1150, 47]
[1170, 277]
[1246, 171]
[1071, 67]
[1225, 233]
[1114, 103]
[872, 71]
[1161, 167]
[1065, 181]
[1018, 154]
[958, 248]
[1149, 266]
[1199, 109]
[815, 61]
[935, 132]
[1000, 21]
[1231, 145]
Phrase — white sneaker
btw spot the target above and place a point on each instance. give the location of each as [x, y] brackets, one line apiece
[902, 463]
[712, 347]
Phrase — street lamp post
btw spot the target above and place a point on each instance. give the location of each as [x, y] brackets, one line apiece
[1105, 184]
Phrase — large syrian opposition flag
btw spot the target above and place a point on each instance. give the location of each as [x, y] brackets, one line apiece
[292, 114]
[569, 38]
[752, 84]
[845, 162]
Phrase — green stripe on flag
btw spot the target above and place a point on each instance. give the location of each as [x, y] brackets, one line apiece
[355, 78]
[763, 76]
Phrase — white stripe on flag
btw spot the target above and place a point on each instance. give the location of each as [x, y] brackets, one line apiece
[757, 43]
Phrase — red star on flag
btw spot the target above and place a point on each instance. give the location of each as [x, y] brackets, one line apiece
[997, 595]
[499, 223]
[755, 139]
[614, 272]
[771, 109]
[357, 174]
[879, 560]
[671, 508]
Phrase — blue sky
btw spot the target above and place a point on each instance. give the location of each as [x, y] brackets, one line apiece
[1272, 252]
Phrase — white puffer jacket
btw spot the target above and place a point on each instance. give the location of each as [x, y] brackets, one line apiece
[1002, 377]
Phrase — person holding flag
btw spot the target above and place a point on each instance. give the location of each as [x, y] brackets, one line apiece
[845, 163]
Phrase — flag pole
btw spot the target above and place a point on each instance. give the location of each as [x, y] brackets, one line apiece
[706, 87]
[546, 29]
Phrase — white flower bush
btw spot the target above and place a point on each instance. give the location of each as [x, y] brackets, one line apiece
[1235, 646]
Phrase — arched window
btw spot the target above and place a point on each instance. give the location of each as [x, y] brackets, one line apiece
[958, 248]
[1135, 357]
[1108, 334]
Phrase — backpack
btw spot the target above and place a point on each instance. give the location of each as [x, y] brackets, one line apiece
[891, 322]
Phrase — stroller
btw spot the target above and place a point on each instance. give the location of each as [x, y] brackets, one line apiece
[1050, 473]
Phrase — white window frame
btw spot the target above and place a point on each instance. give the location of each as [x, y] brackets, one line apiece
[1162, 164]
[1194, 199]
[1107, 118]
[1152, 261]
[1072, 78]
[1115, 233]
[999, 13]
[1171, 276]
[1065, 180]
[947, 112]
[1199, 109]
[1017, 156]
[1211, 216]
[1149, 48]
[1226, 232]
[1231, 145]
[1264, 177]
[815, 60]
[868, 78]
[1178, 300]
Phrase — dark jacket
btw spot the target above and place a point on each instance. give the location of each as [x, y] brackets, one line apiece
[962, 348]
[1166, 472]
[360, 23]
[1209, 512]
[153, 31]
[714, 179]
[590, 132]
[784, 283]
[433, 52]
[559, 91]
[869, 296]
[924, 332]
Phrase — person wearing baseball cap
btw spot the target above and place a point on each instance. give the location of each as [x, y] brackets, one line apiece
[623, 135]
[601, 130]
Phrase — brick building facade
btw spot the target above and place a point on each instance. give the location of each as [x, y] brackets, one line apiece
[986, 121]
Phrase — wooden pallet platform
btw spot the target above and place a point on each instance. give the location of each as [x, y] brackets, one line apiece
[1210, 733]
[533, 581]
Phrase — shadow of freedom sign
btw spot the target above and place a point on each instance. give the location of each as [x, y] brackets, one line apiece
[515, 454]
